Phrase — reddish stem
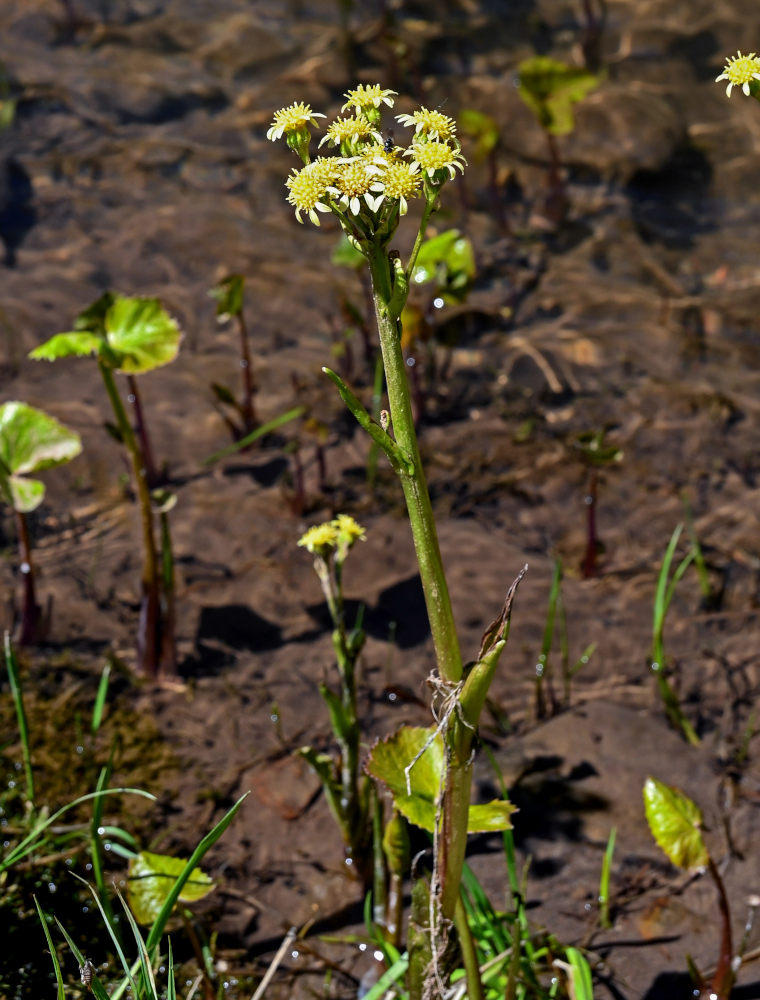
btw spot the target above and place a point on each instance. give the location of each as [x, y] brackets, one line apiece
[723, 980]
[30, 613]
[151, 474]
[592, 541]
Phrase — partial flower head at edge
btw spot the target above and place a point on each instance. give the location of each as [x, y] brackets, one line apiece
[740, 71]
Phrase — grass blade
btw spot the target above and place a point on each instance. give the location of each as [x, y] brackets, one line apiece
[100, 699]
[232, 449]
[53, 953]
[28, 844]
[195, 859]
[98, 990]
[23, 729]
[604, 882]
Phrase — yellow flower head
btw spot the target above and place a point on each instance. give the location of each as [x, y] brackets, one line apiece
[399, 180]
[371, 96]
[354, 182]
[292, 119]
[430, 123]
[309, 186]
[321, 539]
[349, 531]
[434, 156]
[740, 71]
[350, 130]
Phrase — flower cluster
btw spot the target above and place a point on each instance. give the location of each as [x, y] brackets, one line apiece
[369, 183]
[740, 71]
[338, 536]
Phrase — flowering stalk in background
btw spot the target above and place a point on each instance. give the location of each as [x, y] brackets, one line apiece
[330, 544]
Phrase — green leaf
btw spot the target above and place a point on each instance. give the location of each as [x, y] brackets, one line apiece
[448, 260]
[579, 971]
[24, 495]
[675, 823]
[229, 296]
[30, 441]
[550, 88]
[93, 318]
[141, 334]
[387, 762]
[151, 878]
[68, 345]
[480, 127]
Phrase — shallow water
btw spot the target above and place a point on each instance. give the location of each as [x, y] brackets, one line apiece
[138, 161]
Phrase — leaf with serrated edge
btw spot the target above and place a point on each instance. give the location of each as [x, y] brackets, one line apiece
[67, 345]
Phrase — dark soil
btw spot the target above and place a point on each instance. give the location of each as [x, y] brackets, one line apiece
[138, 162]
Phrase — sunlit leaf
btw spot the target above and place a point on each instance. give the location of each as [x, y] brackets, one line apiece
[23, 494]
[141, 334]
[30, 441]
[151, 878]
[550, 88]
[387, 762]
[67, 345]
[675, 822]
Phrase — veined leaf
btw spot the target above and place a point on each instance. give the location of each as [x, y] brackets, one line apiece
[30, 441]
[388, 761]
[675, 822]
[151, 878]
[141, 334]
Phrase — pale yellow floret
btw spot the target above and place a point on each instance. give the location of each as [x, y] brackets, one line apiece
[320, 539]
[350, 130]
[307, 188]
[291, 119]
[740, 71]
[401, 181]
[369, 96]
[430, 123]
[354, 182]
[349, 531]
[434, 155]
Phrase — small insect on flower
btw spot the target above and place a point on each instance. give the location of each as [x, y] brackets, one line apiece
[86, 972]
[388, 144]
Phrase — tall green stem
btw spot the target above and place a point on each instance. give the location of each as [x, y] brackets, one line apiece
[148, 642]
[456, 793]
[445, 640]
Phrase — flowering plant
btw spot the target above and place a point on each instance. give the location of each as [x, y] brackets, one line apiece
[368, 186]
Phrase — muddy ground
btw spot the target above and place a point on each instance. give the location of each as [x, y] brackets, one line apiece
[138, 161]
